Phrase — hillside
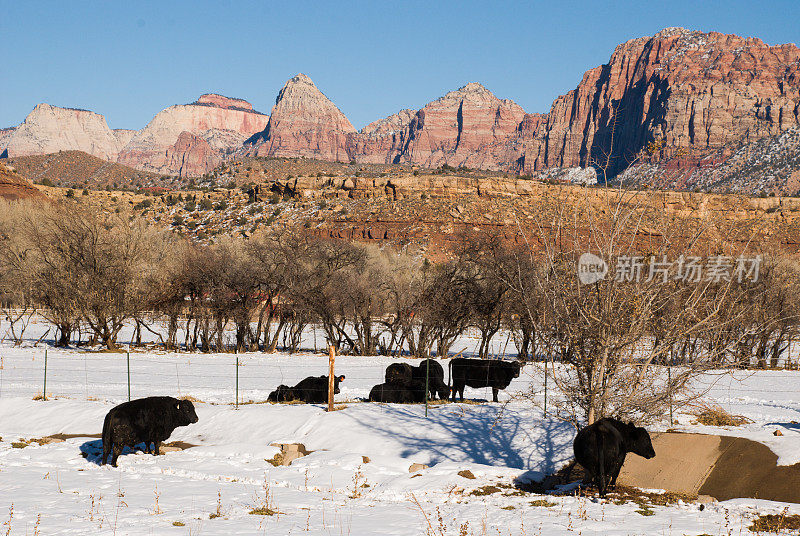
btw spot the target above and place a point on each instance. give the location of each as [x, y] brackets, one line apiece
[14, 187]
[76, 169]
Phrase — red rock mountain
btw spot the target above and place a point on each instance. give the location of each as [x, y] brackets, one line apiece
[679, 93]
[692, 91]
[304, 122]
[191, 139]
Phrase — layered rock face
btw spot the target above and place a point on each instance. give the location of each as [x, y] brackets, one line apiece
[212, 118]
[191, 156]
[14, 187]
[49, 129]
[469, 127]
[305, 123]
[689, 92]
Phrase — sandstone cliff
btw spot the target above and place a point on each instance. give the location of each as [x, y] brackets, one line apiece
[212, 117]
[305, 123]
[468, 127]
[49, 129]
[687, 91]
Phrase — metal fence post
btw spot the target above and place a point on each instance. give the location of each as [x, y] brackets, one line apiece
[44, 387]
[427, 374]
[669, 387]
[237, 382]
[128, 359]
[545, 386]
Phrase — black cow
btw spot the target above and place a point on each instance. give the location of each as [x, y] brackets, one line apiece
[436, 384]
[398, 392]
[146, 420]
[601, 448]
[311, 390]
[492, 373]
[403, 372]
[283, 393]
[399, 372]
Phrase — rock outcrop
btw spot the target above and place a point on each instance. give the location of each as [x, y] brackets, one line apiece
[191, 156]
[468, 127]
[49, 129]
[305, 123]
[13, 187]
[223, 123]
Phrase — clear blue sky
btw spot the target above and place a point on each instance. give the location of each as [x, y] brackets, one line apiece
[128, 60]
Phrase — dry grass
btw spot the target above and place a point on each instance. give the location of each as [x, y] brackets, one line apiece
[709, 414]
[782, 522]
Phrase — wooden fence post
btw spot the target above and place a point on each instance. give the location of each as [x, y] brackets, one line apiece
[331, 359]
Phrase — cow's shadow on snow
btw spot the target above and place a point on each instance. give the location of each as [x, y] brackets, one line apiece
[93, 451]
[490, 434]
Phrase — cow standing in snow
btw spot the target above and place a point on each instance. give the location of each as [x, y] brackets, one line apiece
[146, 420]
[478, 373]
[600, 448]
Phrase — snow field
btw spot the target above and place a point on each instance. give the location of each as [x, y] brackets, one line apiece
[212, 488]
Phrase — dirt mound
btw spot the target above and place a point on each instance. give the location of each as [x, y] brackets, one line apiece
[719, 466]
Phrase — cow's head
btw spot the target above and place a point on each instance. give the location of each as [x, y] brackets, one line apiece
[186, 412]
[639, 441]
[336, 380]
[516, 368]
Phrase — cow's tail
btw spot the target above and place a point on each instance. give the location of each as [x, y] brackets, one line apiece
[449, 373]
[106, 438]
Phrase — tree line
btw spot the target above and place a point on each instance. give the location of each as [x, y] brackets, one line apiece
[89, 273]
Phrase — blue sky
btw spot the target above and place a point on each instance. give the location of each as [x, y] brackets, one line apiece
[128, 60]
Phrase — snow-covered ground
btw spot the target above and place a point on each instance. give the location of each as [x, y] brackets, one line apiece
[212, 487]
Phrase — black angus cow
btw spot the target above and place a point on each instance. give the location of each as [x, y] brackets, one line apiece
[478, 373]
[398, 392]
[311, 390]
[600, 448]
[399, 372]
[436, 384]
[283, 393]
[403, 372]
[146, 420]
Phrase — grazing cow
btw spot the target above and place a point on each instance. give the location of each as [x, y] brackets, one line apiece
[398, 392]
[311, 390]
[492, 373]
[436, 384]
[601, 448]
[147, 420]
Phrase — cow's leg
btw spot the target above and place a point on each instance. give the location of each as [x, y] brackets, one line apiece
[157, 445]
[615, 474]
[117, 450]
[106, 452]
[494, 394]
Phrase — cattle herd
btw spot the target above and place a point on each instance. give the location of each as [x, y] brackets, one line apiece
[599, 448]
